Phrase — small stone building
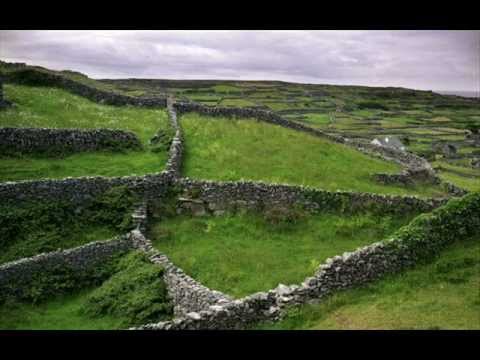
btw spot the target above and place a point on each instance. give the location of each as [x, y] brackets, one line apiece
[389, 141]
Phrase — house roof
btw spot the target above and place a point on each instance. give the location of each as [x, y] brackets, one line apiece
[389, 141]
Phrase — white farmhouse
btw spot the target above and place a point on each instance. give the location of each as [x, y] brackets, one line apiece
[389, 141]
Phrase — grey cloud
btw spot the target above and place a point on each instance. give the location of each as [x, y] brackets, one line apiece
[442, 60]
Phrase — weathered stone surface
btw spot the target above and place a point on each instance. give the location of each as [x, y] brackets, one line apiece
[22, 272]
[235, 195]
[187, 294]
[174, 162]
[35, 140]
[78, 190]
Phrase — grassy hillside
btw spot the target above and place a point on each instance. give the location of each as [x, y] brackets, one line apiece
[419, 118]
[55, 108]
[132, 294]
[245, 253]
[440, 295]
[225, 149]
[7, 69]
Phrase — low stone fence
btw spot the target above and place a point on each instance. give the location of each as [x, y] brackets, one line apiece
[174, 162]
[78, 190]
[17, 276]
[43, 78]
[422, 238]
[187, 294]
[217, 197]
[39, 140]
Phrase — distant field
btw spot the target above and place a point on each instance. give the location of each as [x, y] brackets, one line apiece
[244, 253]
[55, 108]
[224, 149]
[440, 295]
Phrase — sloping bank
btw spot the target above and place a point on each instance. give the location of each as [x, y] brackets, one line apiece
[419, 241]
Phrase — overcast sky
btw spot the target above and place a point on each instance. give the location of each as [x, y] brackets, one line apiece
[431, 60]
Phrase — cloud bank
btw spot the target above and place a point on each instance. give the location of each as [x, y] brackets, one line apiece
[431, 60]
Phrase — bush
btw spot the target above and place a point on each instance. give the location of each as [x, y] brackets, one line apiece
[429, 233]
[60, 280]
[284, 216]
[114, 208]
[135, 292]
[37, 227]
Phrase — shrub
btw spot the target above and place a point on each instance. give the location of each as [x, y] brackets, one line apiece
[37, 227]
[60, 280]
[283, 216]
[135, 292]
[114, 208]
[429, 233]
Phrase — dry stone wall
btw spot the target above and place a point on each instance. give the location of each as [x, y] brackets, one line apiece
[217, 197]
[39, 140]
[36, 77]
[17, 276]
[174, 162]
[78, 190]
[187, 294]
[365, 264]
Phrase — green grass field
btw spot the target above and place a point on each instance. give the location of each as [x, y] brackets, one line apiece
[242, 254]
[61, 313]
[443, 294]
[220, 149]
[55, 108]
